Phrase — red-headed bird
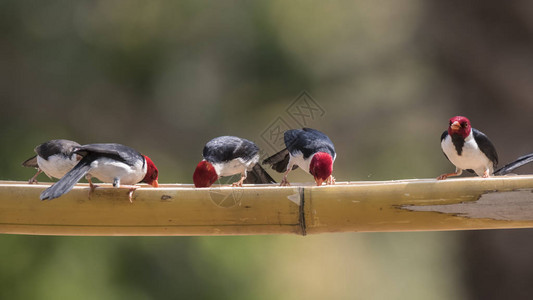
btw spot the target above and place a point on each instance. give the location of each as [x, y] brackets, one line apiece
[230, 155]
[470, 149]
[112, 163]
[55, 158]
[308, 149]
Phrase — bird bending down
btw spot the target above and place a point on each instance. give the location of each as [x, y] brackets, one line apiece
[55, 158]
[230, 155]
[308, 149]
[111, 163]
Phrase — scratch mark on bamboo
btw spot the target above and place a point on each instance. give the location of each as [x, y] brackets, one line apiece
[504, 206]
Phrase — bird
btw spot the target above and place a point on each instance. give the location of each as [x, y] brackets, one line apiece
[308, 149]
[468, 149]
[55, 158]
[230, 155]
[111, 163]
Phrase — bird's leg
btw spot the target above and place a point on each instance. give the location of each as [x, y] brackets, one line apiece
[284, 181]
[131, 189]
[486, 174]
[33, 179]
[92, 186]
[239, 183]
[456, 173]
[330, 180]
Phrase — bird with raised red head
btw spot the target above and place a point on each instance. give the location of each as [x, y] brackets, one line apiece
[468, 149]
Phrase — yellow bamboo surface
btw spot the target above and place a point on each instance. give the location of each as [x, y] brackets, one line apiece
[177, 209]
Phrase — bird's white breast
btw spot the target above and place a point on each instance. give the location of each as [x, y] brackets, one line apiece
[57, 165]
[297, 158]
[235, 166]
[106, 170]
[471, 157]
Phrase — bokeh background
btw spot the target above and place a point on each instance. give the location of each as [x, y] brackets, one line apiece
[165, 77]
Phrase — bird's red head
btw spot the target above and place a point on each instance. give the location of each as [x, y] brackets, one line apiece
[204, 175]
[152, 174]
[321, 167]
[459, 125]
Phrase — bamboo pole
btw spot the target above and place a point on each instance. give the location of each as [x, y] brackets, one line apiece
[177, 209]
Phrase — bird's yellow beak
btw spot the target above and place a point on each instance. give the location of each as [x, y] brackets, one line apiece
[155, 183]
[455, 126]
[319, 181]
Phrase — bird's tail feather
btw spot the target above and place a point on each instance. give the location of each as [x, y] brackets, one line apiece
[258, 175]
[515, 164]
[31, 162]
[279, 161]
[67, 182]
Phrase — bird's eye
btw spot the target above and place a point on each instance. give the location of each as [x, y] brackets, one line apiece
[450, 123]
[464, 124]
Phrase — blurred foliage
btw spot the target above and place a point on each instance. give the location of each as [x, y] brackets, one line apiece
[165, 77]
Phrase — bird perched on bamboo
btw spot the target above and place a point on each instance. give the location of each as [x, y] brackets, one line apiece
[113, 163]
[470, 149]
[54, 158]
[230, 155]
[308, 149]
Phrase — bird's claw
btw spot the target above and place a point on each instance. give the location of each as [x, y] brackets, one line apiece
[239, 183]
[330, 180]
[284, 182]
[130, 193]
[92, 187]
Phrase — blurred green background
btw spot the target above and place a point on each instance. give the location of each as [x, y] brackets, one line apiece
[165, 77]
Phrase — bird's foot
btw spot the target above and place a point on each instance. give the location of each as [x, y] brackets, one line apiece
[486, 174]
[132, 189]
[444, 176]
[34, 178]
[330, 180]
[285, 182]
[238, 183]
[92, 187]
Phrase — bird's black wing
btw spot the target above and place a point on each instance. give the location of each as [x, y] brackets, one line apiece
[258, 175]
[442, 137]
[279, 161]
[31, 162]
[53, 147]
[515, 164]
[486, 146]
[308, 141]
[67, 182]
[118, 152]
[226, 148]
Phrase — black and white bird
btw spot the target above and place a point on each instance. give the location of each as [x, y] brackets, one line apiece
[55, 158]
[470, 149]
[308, 149]
[230, 155]
[111, 163]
